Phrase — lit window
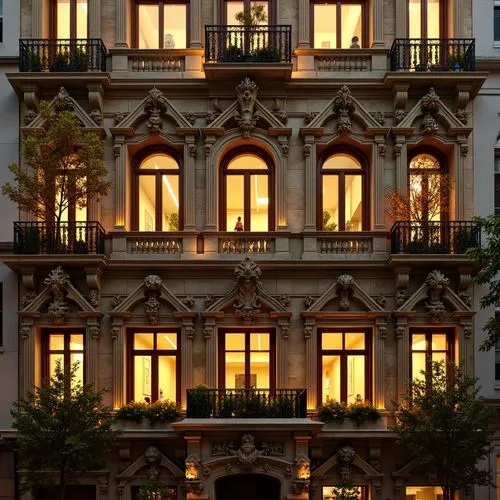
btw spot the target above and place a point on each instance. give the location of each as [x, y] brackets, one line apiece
[248, 360]
[338, 24]
[161, 25]
[71, 19]
[158, 194]
[343, 183]
[424, 493]
[233, 8]
[247, 199]
[154, 366]
[339, 492]
[345, 371]
[426, 18]
[428, 347]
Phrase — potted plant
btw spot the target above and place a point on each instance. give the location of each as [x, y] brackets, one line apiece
[60, 63]
[160, 412]
[200, 401]
[332, 411]
[33, 61]
[79, 59]
[457, 61]
[362, 411]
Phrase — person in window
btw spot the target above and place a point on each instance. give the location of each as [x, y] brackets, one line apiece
[355, 43]
[239, 225]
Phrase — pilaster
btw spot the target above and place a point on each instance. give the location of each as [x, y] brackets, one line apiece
[95, 19]
[210, 334]
[37, 19]
[311, 362]
[379, 363]
[378, 23]
[310, 183]
[211, 186]
[118, 360]
[401, 19]
[121, 38]
[403, 348]
[304, 7]
[378, 182]
[120, 182]
[196, 24]
[92, 364]
[189, 183]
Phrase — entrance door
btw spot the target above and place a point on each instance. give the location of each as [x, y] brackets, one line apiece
[247, 487]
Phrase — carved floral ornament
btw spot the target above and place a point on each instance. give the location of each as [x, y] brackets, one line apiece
[345, 285]
[430, 106]
[57, 283]
[246, 92]
[437, 283]
[247, 285]
[152, 283]
[62, 101]
[154, 107]
[344, 107]
[153, 458]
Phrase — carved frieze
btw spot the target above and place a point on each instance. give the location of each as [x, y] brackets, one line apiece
[248, 286]
[246, 118]
[154, 107]
[57, 283]
[436, 282]
[343, 107]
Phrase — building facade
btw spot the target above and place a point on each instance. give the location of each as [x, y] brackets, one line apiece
[249, 242]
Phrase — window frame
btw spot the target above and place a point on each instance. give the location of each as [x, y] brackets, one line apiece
[221, 351]
[365, 188]
[443, 21]
[496, 7]
[271, 10]
[496, 182]
[364, 22]
[343, 353]
[154, 353]
[138, 160]
[364, 490]
[226, 160]
[72, 17]
[161, 21]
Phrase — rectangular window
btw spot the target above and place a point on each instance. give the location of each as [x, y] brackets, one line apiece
[496, 21]
[344, 366]
[154, 365]
[424, 493]
[71, 19]
[339, 492]
[497, 186]
[66, 347]
[427, 347]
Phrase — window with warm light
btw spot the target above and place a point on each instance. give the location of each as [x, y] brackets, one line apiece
[234, 7]
[424, 493]
[426, 18]
[428, 346]
[154, 365]
[161, 24]
[343, 194]
[65, 347]
[247, 360]
[71, 19]
[344, 366]
[247, 193]
[336, 493]
[339, 24]
[157, 191]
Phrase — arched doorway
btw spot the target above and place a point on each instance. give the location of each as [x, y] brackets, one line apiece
[247, 487]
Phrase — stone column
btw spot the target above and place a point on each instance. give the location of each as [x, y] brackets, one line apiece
[186, 358]
[282, 206]
[120, 182]
[310, 184]
[37, 19]
[211, 186]
[401, 19]
[379, 363]
[92, 365]
[118, 365]
[210, 334]
[461, 151]
[378, 23]
[403, 354]
[121, 20]
[28, 360]
[311, 363]
[282, 352]
[304, 7]
[378, 182]
[195, 24]
[400, 151]
[189, 183]
[95, 19]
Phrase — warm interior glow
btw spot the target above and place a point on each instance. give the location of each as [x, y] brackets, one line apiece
[423, 493]
[64, 19]
[57, 353]
[328, 492]
[325, 25]
[174, 31]
[422, 348]
[232, 8]
[415, 18]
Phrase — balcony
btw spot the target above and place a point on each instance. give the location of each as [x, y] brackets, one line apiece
[246, 403]
[62, 56]
[433, 54]
[452, 237]
[50, 238]
[259, 48]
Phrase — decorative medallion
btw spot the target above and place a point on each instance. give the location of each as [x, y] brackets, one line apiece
[437, 282]
[343, 106]
[345, 284]
[246, 92]
[248, 286]
[154, 107]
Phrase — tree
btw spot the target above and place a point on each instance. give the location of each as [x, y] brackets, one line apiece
[444, 425]
[63, 429]
[251, 16]
[488, 257]
[65, 168]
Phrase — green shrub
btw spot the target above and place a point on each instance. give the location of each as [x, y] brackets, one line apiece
[163, 412]
[361, 411]
[332, 411]
[133, 412]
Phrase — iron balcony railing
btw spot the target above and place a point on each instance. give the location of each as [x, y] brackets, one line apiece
[452, 237]
[246, 403]
[433, 54]
[49, 238]
[58, 55]
[239, 44]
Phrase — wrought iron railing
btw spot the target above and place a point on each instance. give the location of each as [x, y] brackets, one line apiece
[48, 238]
[58, 55]
[452, 237]
[433, 54]
[239, 44]
[246, 403]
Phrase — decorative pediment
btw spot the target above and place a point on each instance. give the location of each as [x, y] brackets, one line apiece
[437, 298]
[247, 296]
[153, 110]
[152, 463]
[61, 297]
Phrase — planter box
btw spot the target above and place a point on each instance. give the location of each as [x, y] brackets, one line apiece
[350, 425]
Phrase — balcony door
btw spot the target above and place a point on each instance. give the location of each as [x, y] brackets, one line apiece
[427, 19]
[70, 19]
[234, 7]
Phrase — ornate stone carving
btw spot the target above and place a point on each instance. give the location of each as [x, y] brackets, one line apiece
[188, 301]
[307, 150]
[117, 149]
[57, 283]
[467, 332]
[94, 297]
[380, 300]
[467, 299]
[278, 111]
[302, 467]
[379, 117]
[430, 106]
[398, 147]
[154, 107]
[192, 467]
[189, 332]
[96, 116]
[382, 331]
[462, 115]
[153, 458]
[343, 107]
[248, 455]
[246, 92]
[284, 300]
[309, 301]
[28, 298]
[285, 148]
[399, 115]
[464, 150]
[308, 332]
[400, 331]
[115, 331]
[345, 456]
[192, 150]
[29, 116]
[248, 286]
[208, 332]
[209, 300]
[190, 117]
[212, 115]
[437, 282]
[382, 148]
[222, 448]
[25, 332]
[153, 291]
[273, 448]
[207, 148]
[116, 300]
[95, 332]
[118, 117]
[153, 282]
[429, 125]
[284, 332]
[62, 101]
[309, 117]
[401, 296]
[345, 284]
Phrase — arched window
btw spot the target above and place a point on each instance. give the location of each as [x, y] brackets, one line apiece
[158, 193]
[247, 192]
[343, 198]
[427, 188]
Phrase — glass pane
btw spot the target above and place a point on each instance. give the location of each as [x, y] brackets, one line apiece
[235, 341]
[354, 341]
[232, 8]
[166, 341]
[247, 162]
[330, 378]
[76, 342]
[170, 200]
[438, 357]
[439, 342]
[266, 11]
[147, 202]
[53, 358]
[418, 342]
[433, 19]
[77, 357]
[425, 162]
[330, 203]
[433, 194]
[351, 26]
[81, 18]
[331, 340]
[496, 23]
[417, 365]
[423, 493]
[63, 19]
[344, 162]
[167, 387]
[235, 370]
[338, 492]
[159, 162]
[259, 203]
[415, 18]
[355, 378]
[56, 342]
[234, 200]
[259, 370]
[259, 342]
[325, 26]
[144, 341]
[149, 26]
[353, 203]
[175, 26]
[142, 378]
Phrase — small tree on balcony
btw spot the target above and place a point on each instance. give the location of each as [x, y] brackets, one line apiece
[252, 16]
[64, 168]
